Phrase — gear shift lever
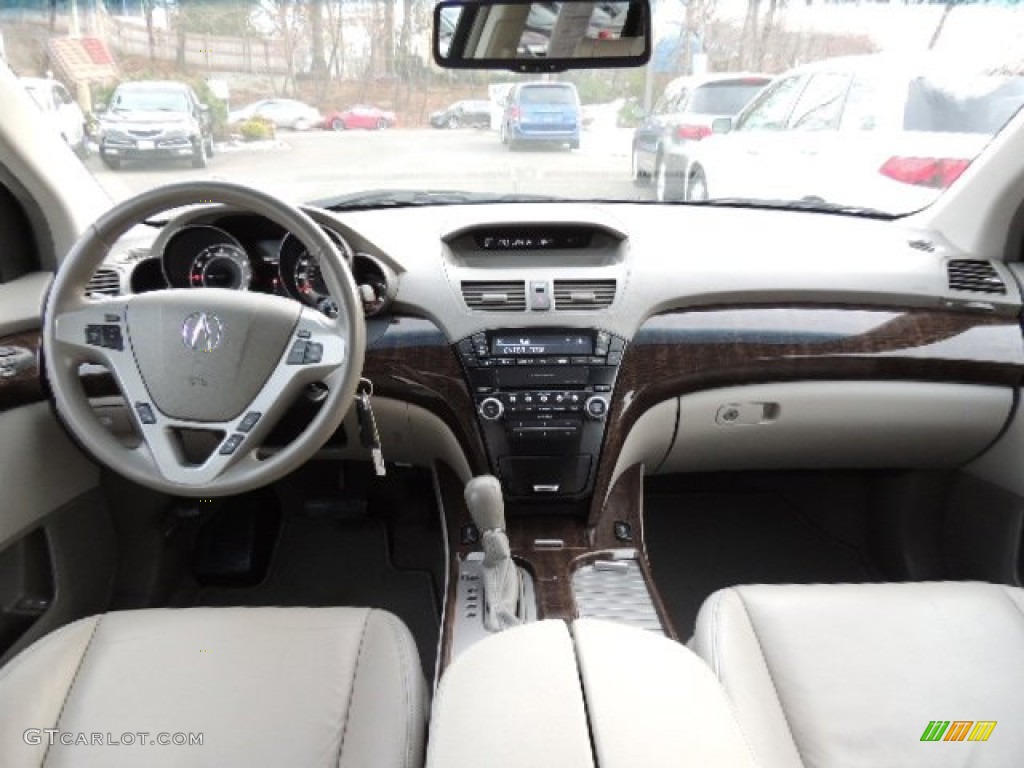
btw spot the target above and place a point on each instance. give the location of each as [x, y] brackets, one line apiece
[502, 582]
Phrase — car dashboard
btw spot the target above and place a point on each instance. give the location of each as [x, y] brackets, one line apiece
[556, 345]
[572, 350]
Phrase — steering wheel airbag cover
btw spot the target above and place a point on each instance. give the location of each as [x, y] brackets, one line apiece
[205, 353]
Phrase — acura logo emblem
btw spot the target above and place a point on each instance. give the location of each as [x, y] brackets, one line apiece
[202, 332]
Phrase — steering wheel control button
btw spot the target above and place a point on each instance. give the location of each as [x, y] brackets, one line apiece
[106, 336]
[230, 445]
[246, 424]
[491, 408]
[112, 338]
[314, 353]
[145, 412]
[297, 354]
[597, 407]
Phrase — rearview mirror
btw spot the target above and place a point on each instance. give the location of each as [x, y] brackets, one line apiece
[721, 125]
[526, 36]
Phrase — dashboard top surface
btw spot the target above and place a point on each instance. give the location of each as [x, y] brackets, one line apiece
[657, 258]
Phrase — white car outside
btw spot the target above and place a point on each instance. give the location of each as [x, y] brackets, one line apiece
[61, 110]
[283, 113]
[869, 131]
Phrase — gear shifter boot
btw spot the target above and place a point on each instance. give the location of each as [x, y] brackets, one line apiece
[502, 583]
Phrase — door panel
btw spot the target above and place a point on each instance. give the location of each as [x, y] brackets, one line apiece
[56, 539]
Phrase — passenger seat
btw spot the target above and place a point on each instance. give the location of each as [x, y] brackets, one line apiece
[895, 674]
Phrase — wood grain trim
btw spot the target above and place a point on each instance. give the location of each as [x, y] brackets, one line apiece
[25, 387]
[681, 352]
[551, 568]
[414, 363]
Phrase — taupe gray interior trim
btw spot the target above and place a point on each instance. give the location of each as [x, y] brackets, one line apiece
[510, 702]
[807, 665]
[21, 302]
[849, 424]
[40, 469]
[664, 708]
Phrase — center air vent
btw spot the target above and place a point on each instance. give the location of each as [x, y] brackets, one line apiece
[495, 295]
[584, 294]
[975, 276]
[104, 281]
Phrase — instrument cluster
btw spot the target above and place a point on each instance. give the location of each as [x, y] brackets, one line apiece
[258, 259]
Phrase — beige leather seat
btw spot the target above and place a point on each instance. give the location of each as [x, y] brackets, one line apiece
[289, 687]
[853, 674]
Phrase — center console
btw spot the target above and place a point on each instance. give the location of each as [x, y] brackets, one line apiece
[542, 396]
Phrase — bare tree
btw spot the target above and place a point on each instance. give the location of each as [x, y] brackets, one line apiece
[946, 10]
[748, 38]
[318, 59]
[290, 23]
[766, 34]
[147, 8]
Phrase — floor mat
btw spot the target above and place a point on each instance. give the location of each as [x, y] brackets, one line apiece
[699, 542]
[322, 561]
[348, 538]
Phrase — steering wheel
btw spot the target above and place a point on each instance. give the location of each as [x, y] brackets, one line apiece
[218, 361]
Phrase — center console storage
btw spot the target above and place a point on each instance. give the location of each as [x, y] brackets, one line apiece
[542, 396]
[590, 693]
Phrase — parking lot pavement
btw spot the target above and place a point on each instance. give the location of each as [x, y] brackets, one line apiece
[316, 164]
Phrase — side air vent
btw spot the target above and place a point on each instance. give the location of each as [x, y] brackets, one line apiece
[105, 281]
[584, 294]
[495, 295]
[974, 276]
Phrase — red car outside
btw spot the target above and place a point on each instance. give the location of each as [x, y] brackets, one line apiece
[359, 116]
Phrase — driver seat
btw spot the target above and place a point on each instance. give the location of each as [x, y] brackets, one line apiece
[263, 687]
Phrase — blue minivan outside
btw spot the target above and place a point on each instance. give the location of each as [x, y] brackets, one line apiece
[547, 112]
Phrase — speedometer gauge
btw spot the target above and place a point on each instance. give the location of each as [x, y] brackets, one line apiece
[221, 266]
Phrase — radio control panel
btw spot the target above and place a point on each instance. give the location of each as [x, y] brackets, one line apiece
[542, 397]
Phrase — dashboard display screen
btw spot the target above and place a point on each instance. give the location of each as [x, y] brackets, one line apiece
[525, 344]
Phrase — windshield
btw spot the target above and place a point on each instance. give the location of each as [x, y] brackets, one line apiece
[38, 96]
[547, 94]
[723, 98]
[870, 107]
[149, 101]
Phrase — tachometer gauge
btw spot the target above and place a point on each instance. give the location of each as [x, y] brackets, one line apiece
[221, 266]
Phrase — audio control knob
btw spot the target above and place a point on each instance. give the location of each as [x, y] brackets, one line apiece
[491, 408]
[596, 407]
